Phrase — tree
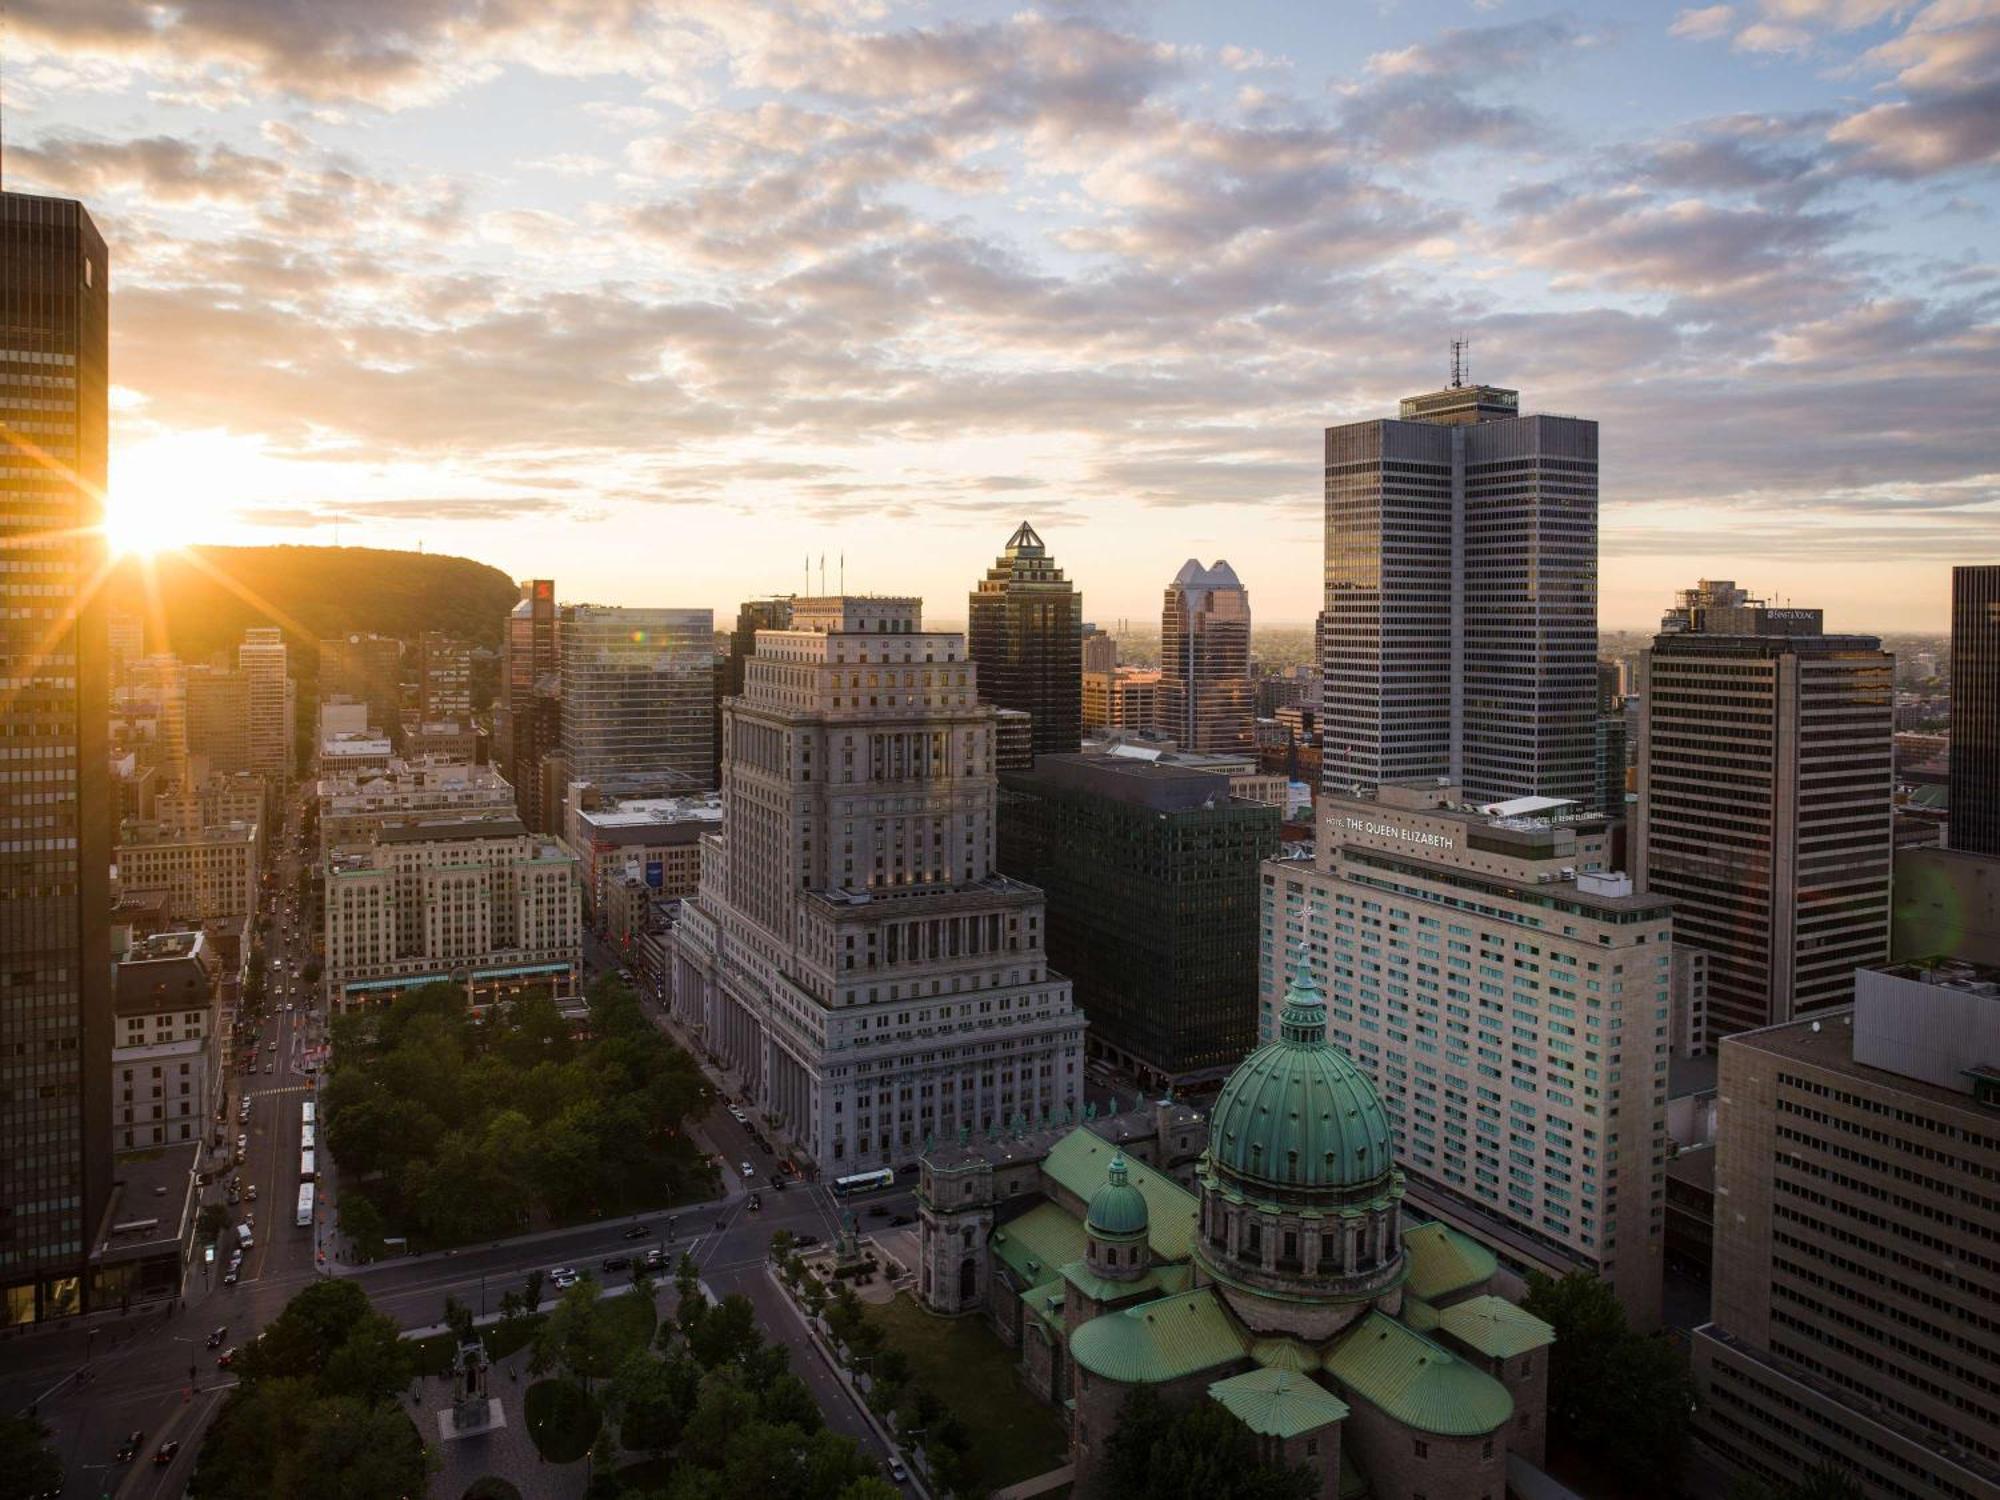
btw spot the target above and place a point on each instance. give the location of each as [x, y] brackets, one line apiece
[305, 1335]
[210, 1223]
[1619, 1396]
[532, 1291]
[458, 1318]
[648, 1399]
[573, 1332]
[1159, 1452]
[372, 1364]
[870, 1487]
[28, 1466]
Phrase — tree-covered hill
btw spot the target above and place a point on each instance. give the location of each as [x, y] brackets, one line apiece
[204, 597]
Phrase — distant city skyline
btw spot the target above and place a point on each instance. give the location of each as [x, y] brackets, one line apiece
[754, 282]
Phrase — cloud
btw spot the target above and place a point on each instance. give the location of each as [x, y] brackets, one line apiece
[1703, 25]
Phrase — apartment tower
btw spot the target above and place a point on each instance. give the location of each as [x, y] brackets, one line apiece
[1764, 800]
[1459, 634]
[852, 952]
[1975, 710]
[1025, 634]
[1207, 702]
[638, 698]
[261, 661]
[56, 799]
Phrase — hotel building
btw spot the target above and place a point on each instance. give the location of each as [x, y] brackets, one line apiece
[852, 952]
[1509, 997]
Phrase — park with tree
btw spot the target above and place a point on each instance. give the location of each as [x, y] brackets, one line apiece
[450, 1127]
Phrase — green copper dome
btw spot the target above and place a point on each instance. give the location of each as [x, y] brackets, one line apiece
[1298, 1115]
[1118, 1209]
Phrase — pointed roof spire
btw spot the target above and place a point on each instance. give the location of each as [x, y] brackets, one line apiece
[1025, 543]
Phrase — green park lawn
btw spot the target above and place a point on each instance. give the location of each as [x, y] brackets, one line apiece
[562, 1420]
[1014, 1435]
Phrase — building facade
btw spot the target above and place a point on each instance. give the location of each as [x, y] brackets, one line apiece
[660, 836]
[1207, 701]
[527, 721]
[1509, 996]
[1765, 800]
[367, 669]
[56, 799]
[638, 697]
[262, 663]
[1151, 874]
[852, 951]
[1856, 1280]
[752, 615]
[1975, 709]
[444, 678]
[209, 873]
[355, 807]
[166, 1061]
[1459, 634]
[1276, 1275]
[1024, 633]
[1126, 698]
[476, 901]
[218, 721]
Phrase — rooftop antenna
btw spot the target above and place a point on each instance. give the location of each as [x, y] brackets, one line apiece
[1458, 347]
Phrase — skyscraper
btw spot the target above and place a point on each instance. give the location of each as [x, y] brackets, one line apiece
[1975, 710]
[444, 678]
[366, 668]
[1460, 628]
[752, 615]
[852, 951]
[56, 799]
[1765, 800]
[262, 661]
[527, 723]
[1207, 702]
[1024, 630]
[638, 697]
[218, 720]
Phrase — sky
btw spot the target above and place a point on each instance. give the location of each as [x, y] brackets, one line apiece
[668, 299]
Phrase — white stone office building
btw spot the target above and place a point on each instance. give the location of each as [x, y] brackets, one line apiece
[166, 1073]
[209, 873]
[355, 806]
[852, 952]
[476, 901]
[1509, 997]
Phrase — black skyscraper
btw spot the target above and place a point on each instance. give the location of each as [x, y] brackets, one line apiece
[1026, 633]
[55, 801]
[1975, 709]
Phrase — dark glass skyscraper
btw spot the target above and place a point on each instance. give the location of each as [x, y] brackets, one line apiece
[1207, 703]
[55, 801]
[1975, 709]
[528, 724]
[1025, 630]
[1460, 627]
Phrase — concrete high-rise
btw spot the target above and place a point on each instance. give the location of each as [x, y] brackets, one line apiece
[527, 723]
[1764, 811]
[752, 615]
[261, 660]
[1508, 993]
[1207, 702]
[852, 952]
[1975, 710]
[444, 678]
[368, 669]
[1855, 1278]
[1024, 631]
[56, 799]
[1459, 635]
[638, 698]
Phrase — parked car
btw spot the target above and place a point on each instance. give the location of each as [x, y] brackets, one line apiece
[897, 1472]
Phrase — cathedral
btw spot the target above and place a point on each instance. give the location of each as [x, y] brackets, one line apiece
[1259, 1259]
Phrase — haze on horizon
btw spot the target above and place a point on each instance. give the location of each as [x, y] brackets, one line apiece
[663, 299]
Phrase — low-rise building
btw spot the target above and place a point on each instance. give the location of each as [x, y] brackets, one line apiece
[661, 835]
[1509, 996]
[1857, 1286]
[208, 872]
[165, 1062]
[477, 901]
[353, 807]
[457, 740]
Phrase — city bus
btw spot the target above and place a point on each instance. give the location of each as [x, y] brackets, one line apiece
[306, 1173]
[305, 1137]
[863, 1182]
[305, 1214]
[306, 1114]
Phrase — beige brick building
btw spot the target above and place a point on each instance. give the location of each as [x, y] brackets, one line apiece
[1509, 997]
[209, 873]
[1857, 1241]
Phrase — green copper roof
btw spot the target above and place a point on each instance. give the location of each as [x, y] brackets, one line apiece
[1278, 1403]
[1045, 1302]
[1158, 1341]
[1036, 1246]
[1495, 1326]
[1158, 1280]
[1080, 1161]
[1285, 1354]
[1417, 1383]
[1443, 1261]
[1118, 1209]
[1297, 1113]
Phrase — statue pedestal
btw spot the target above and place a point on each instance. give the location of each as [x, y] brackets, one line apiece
[472, 1418]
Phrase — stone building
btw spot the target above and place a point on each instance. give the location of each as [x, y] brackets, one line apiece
[1260, 1259]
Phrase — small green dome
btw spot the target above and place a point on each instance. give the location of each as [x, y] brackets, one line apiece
[1118, 1209]
[1298, 1115]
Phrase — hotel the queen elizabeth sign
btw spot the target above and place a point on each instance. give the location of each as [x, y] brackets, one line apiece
[1424, 836]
